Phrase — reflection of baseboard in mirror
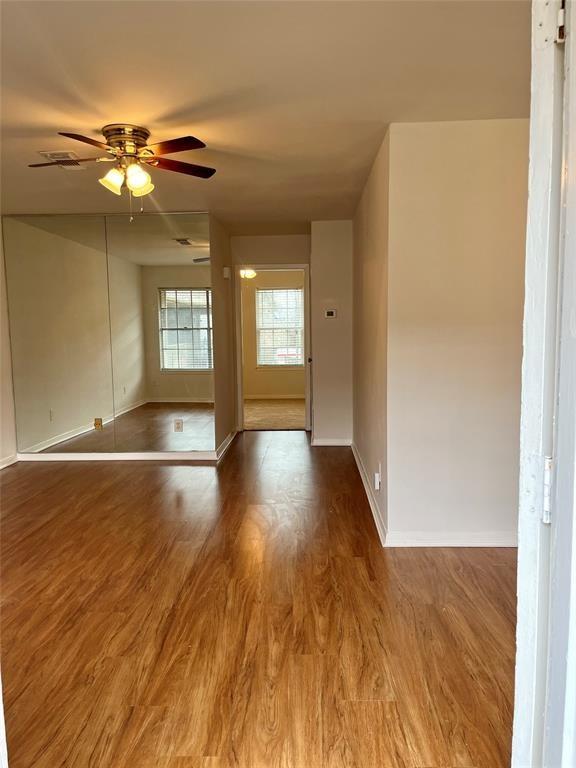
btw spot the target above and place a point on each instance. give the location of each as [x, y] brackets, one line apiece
[111, 334]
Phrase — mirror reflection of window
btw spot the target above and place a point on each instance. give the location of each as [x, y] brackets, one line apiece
[185, 326]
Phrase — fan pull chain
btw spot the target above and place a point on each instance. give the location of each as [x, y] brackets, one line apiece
[131, 214]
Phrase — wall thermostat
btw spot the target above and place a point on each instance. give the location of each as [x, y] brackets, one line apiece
[330, 313]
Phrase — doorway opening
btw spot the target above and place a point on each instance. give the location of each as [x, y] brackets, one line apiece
[272, 336]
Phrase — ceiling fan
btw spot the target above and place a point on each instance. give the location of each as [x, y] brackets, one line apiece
[128, 149]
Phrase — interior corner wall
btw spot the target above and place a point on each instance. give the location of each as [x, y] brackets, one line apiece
[223, 320]
[331, 338]
[127, 333]
[7, 418]
[370, 302]
[458, 193]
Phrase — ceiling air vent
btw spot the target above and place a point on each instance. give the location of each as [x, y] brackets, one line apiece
[192, 243]
[66, 160]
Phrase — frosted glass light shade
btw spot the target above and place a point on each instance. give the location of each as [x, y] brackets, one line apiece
[137, 179]
[113, 180]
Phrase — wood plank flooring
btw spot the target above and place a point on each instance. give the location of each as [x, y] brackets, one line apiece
[150, 427]
[243, 616]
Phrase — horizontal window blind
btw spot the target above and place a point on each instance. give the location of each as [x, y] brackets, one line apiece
[186, 329]
[280, 326]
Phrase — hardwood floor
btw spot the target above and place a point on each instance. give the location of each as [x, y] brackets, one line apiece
[148, 428]
[186, 616]
[275, 414]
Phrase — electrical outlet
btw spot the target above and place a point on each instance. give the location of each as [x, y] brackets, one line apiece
[98, 424]
[378, 478]
[178, 425]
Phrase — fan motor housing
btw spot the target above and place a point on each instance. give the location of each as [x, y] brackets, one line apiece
[125, 137]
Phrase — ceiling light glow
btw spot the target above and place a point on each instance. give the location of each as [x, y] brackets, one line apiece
[137, 178]
[113, 180]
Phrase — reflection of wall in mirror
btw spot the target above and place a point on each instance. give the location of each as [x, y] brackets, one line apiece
[59, 326]
[7, 422]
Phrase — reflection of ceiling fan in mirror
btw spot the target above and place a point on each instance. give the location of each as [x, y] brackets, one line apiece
[127, 148]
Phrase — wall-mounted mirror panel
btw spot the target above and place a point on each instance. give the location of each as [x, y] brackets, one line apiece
[57, 285]
[161, 320]
[111, 332]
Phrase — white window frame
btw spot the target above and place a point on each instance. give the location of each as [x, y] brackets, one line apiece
[209, 328]
[280, 366]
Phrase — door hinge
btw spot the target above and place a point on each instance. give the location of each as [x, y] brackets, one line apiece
[547, 489]
[560, 24]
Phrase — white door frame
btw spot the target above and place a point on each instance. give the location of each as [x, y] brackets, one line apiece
[560, 714]
[238, 340]
[545, 696]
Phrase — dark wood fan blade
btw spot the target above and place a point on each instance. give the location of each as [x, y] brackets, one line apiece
[176, 145]
[87, 140]
[175, 165]
[68, 162]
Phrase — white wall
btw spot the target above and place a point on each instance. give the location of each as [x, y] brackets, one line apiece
[127, 323]
[7, 422]
[331, 339]
[225, 385]
[457, 238]
[59, 325]
[438, 295]
[171, 386]
[370, 332]
[267, 383]
[270, 249]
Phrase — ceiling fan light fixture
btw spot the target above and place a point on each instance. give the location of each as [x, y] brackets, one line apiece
[137, 179]
[127, 147]
[113, 180]
[141, 191]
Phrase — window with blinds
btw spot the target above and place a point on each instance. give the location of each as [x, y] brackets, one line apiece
[185, 329]
[280, 326]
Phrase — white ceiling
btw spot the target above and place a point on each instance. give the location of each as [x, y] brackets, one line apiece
[292, 98]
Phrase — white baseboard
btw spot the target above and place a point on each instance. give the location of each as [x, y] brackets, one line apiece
[181, 400]
[225, 444]
[318, 441]
[452, 539]
[62, 437]
[8, 460]
[378, 521]
[274, 397]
